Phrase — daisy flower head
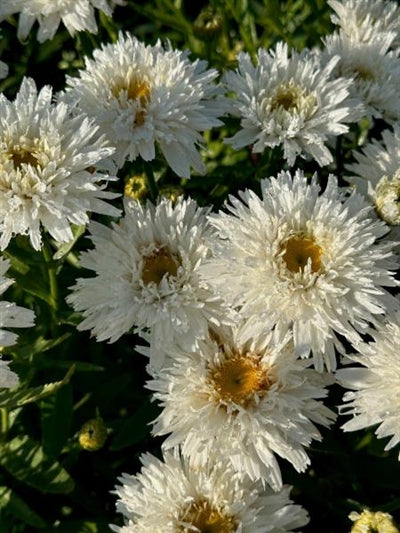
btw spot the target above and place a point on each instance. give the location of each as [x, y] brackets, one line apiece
[76, 15]
[362, 19]
[374, 384]
[303, 259]
[142, 96]
[147, 275]
[12, 316]
[373, 69]
[171, 496]
[250, 399]
[289, 100]
[377, 174]
[48, 163]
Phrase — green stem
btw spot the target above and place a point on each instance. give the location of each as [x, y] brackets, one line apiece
[151, 182]
[107, 23]
[82, 401]
[51, 266]
[4, 423]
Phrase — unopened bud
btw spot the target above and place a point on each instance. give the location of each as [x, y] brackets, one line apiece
[208, 24]
[93, 434]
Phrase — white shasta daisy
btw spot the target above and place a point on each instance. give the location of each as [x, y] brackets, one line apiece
[147, 275]
[362, 19]
[303, 259]
[249, 399]
[375, 384]
[173, 497]
[377, 174]
[76, 15]
[289, 100]
[373, 69]
[142, 96]
[48, 165]
[11, 316]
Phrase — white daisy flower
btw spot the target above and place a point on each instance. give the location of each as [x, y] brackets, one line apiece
[373, 69]
[11, 316]
[147, 276]
[172, 496]
[249, 399]
[146, 95]
[304, 259]
[76, 15]
[377, 175]
[289, 100]
[362, 19]
[47, 167]
[375, 385]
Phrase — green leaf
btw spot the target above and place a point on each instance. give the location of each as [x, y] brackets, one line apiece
[12, 503]
[34, 284]
[40, 345]
[56, 417]
[11, 399]
[80, 366]
[64, 249]
[24, 459]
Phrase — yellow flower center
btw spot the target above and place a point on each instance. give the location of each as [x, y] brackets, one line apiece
[372, 522]
[159, 264]
[363, 73]
[239, 378]
[292, 97]
[298, 251]
[204, 518]
[136, 187]
[20, 156]
[135, 88]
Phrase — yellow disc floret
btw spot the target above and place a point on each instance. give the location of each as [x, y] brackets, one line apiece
[299, 251]
[292, 98]
[19, 157]
[133, 88]
[239, 378]
[370, 522]
[159, 264]
[202, 517]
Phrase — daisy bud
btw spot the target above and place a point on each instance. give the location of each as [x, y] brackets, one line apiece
[93, 434]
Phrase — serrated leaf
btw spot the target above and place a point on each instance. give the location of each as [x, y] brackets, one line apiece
[11, 399]
[25, 460]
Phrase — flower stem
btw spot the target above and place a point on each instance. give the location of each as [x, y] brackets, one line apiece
[51, 266]
[151, 182]
[3, 422]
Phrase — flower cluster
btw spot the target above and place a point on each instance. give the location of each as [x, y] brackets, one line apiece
[248, 314]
